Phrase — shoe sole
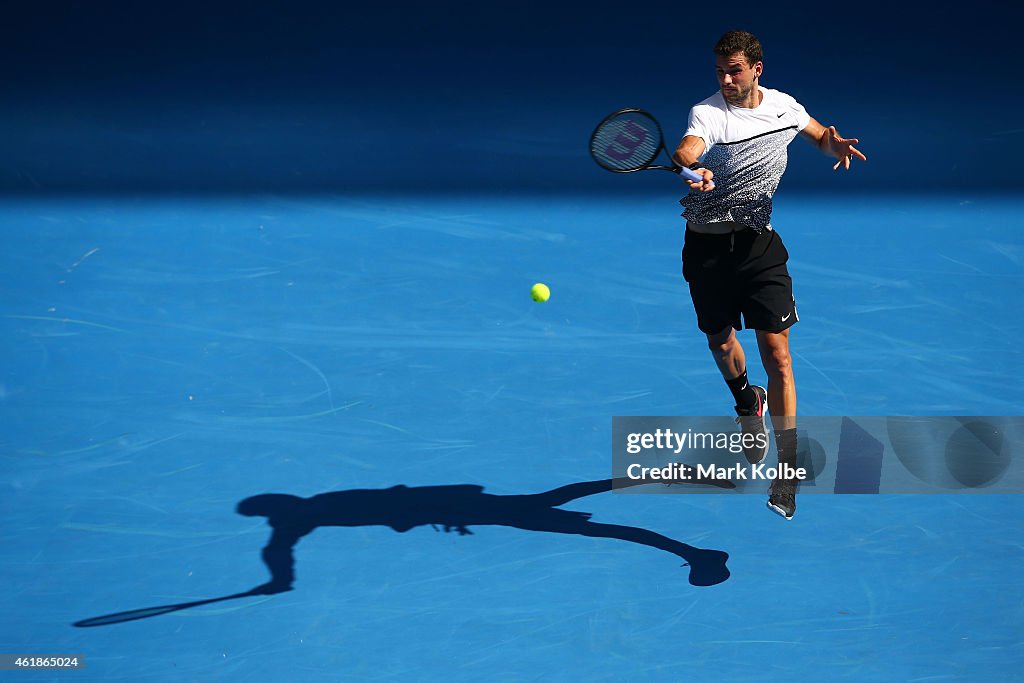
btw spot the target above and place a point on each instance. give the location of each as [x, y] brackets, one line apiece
[780, 512]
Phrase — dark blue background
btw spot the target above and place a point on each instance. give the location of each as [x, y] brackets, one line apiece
[479, 96]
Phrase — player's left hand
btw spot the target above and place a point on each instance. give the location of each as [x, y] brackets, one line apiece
[843, 149]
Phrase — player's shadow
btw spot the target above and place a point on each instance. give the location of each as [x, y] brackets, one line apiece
[453, 508]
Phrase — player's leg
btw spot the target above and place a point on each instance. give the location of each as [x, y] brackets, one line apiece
[778, 365]
[751, 400]
[775, 355]
[770, 308]
[716, 287]
[728, 353]
[774, 348]
[708, 266]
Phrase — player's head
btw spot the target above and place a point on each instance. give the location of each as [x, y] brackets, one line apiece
[740, 41]
[267, 504]
[738, 65]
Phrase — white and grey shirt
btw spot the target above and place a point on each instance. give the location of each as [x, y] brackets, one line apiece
[746, 150]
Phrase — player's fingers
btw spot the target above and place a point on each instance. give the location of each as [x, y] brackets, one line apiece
[836, 166]
[856, 152]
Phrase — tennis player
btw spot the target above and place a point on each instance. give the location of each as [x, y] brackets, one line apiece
[733, 260]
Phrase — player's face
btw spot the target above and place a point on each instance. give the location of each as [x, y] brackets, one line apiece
[736, 78]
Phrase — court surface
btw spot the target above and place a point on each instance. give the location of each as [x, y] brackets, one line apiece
[168, 357]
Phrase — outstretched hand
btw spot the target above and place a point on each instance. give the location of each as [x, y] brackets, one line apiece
[842, 148]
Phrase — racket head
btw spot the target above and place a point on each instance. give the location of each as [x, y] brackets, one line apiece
[626, 140]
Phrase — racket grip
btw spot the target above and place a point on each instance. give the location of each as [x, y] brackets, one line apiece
[690, 174]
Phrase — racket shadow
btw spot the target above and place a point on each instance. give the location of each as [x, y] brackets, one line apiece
[147, 612]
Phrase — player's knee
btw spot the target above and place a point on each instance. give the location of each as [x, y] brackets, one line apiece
[779, 364]
[722, 346]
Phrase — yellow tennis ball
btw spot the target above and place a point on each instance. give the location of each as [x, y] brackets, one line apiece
[540, 292]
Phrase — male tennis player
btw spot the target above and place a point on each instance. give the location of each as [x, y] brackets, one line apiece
[733, 260]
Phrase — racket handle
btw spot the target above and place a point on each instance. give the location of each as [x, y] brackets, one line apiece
[690, 174]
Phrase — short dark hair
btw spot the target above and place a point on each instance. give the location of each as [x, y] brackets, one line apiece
[740, 41]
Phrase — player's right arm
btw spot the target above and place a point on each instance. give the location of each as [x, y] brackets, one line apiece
[690, 149]
[279, 556]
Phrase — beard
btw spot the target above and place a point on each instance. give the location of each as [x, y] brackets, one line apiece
[737, 95]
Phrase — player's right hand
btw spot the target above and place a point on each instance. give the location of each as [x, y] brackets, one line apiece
[705, 184]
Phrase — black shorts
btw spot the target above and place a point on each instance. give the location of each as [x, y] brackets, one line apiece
[739, 273]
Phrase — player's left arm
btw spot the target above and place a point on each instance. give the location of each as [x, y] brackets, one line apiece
[830, 142]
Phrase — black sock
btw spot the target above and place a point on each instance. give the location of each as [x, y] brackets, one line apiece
[741, 391]
[785, 443]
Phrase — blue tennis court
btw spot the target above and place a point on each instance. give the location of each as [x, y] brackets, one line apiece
[170, 358]
[265, 318]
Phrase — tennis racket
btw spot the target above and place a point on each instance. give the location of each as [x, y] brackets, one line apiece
[630, 140]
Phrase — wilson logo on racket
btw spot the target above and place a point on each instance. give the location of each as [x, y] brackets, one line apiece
[630, 140]
[631, 137]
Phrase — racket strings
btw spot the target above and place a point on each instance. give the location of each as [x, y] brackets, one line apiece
[626, 143]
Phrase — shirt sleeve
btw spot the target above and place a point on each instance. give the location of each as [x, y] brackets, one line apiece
[802, 117]
[700, 125]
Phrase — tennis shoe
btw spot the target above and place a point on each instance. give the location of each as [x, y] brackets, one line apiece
[752, 421]
[782, 497]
